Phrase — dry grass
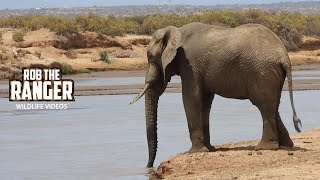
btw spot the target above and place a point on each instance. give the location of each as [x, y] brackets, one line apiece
[128, 64]
[304, 57]
[120, 64]
[3, 49]
[71, 54]
[305, 61]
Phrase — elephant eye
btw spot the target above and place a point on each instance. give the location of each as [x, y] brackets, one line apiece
[150, 57]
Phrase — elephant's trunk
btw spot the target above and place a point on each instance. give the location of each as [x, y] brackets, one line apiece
[151, 108]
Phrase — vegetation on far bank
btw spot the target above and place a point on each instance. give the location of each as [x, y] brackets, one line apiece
[289, 26]
[297, 31]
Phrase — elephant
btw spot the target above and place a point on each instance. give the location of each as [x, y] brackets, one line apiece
[245, 62]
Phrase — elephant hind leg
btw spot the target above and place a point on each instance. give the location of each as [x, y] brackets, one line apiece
[268, 104]
[284, 138]
[265, 94]
[206, 107]
[270, 140]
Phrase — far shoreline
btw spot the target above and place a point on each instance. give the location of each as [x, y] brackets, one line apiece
[141, 72]
[298, 84]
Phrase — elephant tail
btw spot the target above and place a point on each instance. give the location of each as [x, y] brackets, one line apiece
[296, 121]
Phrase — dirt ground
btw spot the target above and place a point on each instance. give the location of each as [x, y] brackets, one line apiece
[241, 161]
[80, 52]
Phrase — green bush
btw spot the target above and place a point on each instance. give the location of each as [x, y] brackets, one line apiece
[18, 36]
[290, 27]
[104, 57]
[83, 71]
[313, 26]
[65, 68]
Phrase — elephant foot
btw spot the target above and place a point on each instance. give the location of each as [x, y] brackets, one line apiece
[196, 149]
[286, 142]
[211, 148]
[267, 145]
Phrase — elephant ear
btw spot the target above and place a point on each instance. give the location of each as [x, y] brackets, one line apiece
[171, 42]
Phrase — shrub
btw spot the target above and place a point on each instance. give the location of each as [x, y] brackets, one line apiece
[18, 36]
[65, 68]
[83, 71]
[290, 37]
[104, 57]
[313, 26]
[289, 26]
[1, 39]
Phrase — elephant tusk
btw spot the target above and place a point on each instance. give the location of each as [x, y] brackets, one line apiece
[141, 94]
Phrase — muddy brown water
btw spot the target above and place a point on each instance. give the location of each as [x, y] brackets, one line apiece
[102, 137]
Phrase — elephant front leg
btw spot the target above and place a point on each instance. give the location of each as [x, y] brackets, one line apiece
[206, 107]
[192, 101]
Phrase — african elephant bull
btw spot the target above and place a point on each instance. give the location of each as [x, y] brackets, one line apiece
[246, 62]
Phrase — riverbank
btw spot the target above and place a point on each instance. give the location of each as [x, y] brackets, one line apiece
[241, 161]
[306, 77]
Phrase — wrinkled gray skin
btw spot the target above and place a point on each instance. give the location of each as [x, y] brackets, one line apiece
[247, 62]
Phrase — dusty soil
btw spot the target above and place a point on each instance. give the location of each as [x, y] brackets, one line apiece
[241, 161]
[81, 51]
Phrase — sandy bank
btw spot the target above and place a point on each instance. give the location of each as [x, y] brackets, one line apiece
[241, 161]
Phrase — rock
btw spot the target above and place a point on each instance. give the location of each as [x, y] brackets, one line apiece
[190, 172]
[166, 170]
[290, 153]
[4, 57]
[143, 41]
[16, 52]
[259, 153]
[35, 44]
[163, 169]
[250, 153]
[124, 54]
[89, 40]
[71, 54]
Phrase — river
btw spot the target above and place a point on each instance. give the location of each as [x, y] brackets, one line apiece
[102, 137]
